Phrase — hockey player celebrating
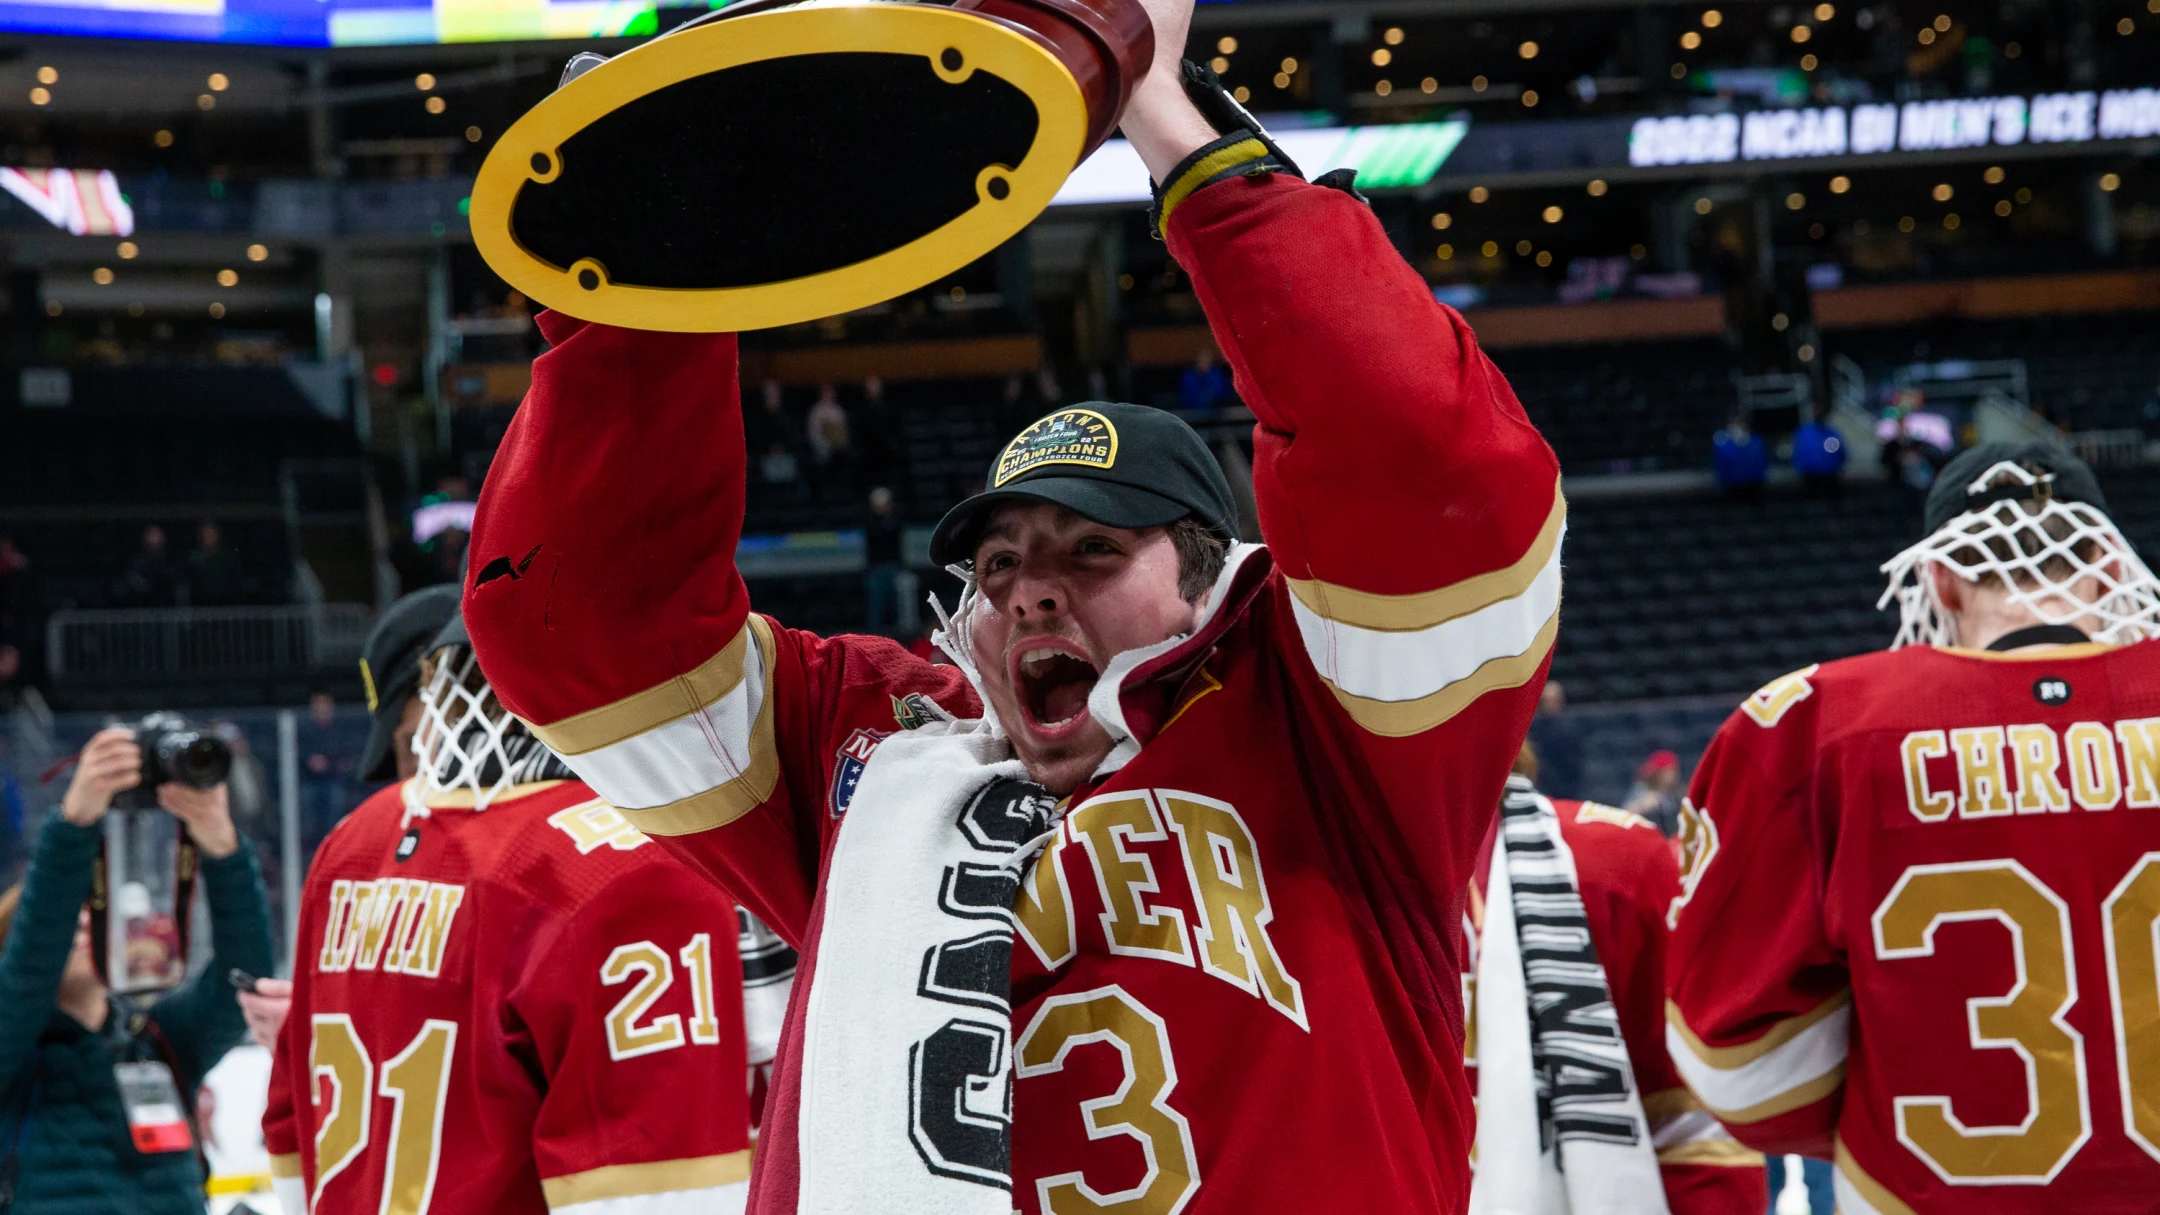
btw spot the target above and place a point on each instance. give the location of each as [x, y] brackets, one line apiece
[1227, 797]
[1916, 933]
[1579, 1107]
[505, 999]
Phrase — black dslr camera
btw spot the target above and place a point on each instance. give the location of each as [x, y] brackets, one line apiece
[174, 750]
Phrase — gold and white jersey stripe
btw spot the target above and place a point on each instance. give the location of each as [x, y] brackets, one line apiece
[705, 1185]
[1683, 1132]
[688, 755]
[1402, 664]
[1798, 1062]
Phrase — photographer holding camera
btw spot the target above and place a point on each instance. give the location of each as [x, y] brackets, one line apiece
[95, 1087]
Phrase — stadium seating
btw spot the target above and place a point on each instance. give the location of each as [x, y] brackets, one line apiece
[2095, 372]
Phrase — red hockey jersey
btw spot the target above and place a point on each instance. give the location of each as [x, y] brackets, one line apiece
[1237, 987]
[1627, 876]
[521, 1009]
[1917, 927]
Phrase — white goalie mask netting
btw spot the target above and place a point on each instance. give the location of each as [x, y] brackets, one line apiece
[468, 743]
[2064, 561]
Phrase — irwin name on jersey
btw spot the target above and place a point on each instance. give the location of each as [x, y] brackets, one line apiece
[1995, 771]
[396, 925]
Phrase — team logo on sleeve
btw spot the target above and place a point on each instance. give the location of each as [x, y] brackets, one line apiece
[848, 764]
[1069, 436]
[1769, 704]
[915, 710]
[1698, 840]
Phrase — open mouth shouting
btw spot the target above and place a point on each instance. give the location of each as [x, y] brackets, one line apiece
[1051, 679]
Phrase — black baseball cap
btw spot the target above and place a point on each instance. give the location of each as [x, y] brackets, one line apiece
[390, 667]
[1952, 494]
[1119, 465]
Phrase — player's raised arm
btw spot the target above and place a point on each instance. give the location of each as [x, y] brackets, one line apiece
[633, 1011]
[1760, 1001]
[603, 599]
[1412, 508]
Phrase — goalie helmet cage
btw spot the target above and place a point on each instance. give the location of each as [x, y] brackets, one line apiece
[2009, 540]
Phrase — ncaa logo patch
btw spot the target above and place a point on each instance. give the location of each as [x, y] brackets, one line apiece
[2051, 690]
[848, 764]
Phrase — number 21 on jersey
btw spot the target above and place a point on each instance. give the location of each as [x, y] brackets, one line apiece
[416, 1080]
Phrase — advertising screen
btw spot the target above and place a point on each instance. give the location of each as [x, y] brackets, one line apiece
[344, 22]
[332, 22]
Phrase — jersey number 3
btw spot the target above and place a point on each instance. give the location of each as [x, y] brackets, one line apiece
[416, 1080]
[2031, 1018]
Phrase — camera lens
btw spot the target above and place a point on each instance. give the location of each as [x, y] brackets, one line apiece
[196, 760]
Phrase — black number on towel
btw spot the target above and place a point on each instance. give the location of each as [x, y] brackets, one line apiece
[960, 1089]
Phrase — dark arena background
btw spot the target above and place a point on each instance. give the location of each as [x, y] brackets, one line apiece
[1755, 269]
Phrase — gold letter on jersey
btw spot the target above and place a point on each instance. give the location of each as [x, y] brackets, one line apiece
[423, 955]
[2037, 754]
[1044, 911]
[2095, 777]
[1918, 748]
[336, 955]
[2141, 759]
[595, 824]
[1982, 791]
[1125, 878]
[1230, 893]
[376, 906]
[1776, 698]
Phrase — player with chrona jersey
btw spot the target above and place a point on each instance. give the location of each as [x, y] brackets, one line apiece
[1149, 903]
[1587, 979]
[505, 999]
[1916, 933]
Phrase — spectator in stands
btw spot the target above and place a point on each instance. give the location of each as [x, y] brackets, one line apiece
[326, 771]
[247, 784]
[1740, 461]
[881, 554]
[1204, 384]
[771, 422]
[877, 436]
[64, 1039]
[778, 466]
[1818, 455]
[11, 679]
[20, 625]
[827, 428]
[1656, 792]
[214, 577]
[1557, 739]
[148, 580]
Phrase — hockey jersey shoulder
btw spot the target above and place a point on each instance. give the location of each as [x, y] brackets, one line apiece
[566, 846]
[1615, 849]
[363, 832]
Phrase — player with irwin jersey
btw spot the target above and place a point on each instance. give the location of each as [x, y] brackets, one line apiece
[505, 999]
[1916, 927]
[1593, 996]
[1151, 902]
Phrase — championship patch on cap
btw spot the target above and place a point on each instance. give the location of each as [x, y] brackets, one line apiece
[1069, 436]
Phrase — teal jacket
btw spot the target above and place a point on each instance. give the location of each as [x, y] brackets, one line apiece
[77, 1157]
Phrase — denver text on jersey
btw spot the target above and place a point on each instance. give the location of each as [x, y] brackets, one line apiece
[1228, 797]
